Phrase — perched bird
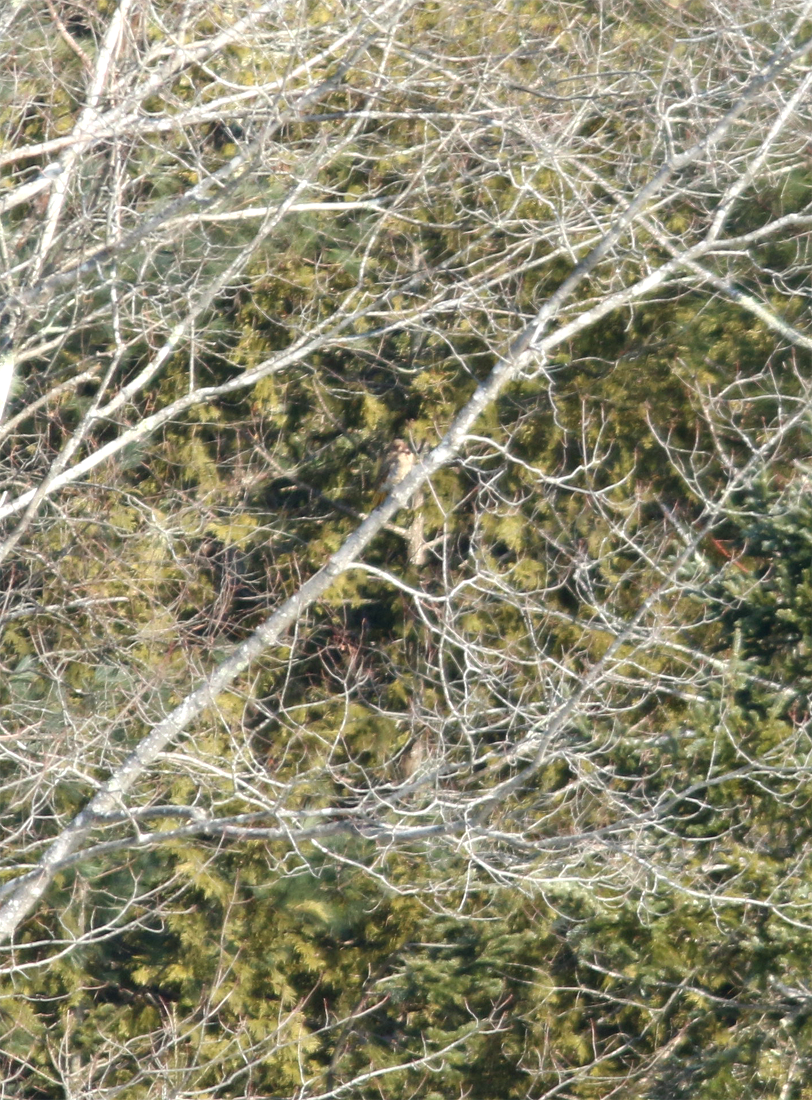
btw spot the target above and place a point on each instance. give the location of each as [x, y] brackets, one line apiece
[395, 465]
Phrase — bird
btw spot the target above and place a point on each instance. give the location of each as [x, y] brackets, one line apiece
[396, 464]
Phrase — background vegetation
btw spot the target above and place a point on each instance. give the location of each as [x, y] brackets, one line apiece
[498, 789]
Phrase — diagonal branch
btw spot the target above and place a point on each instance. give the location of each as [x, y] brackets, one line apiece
[530, 346]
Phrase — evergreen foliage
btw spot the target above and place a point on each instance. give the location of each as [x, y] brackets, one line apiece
[518, 807]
